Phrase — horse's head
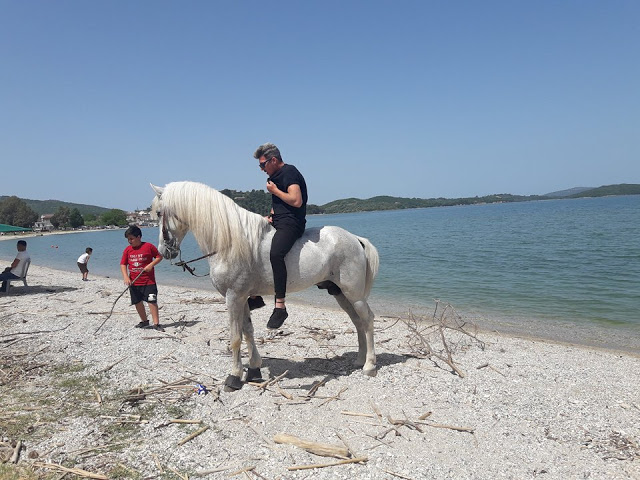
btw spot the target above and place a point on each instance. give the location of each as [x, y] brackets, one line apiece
[172, 230]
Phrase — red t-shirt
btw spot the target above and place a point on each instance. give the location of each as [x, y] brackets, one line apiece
[136, 259]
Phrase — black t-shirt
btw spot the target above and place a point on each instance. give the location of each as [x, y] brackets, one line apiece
[283, 213]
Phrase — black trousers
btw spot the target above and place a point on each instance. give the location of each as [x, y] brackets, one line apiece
[283, 240]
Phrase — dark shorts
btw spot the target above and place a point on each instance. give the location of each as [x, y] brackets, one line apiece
[83, 267]
[148, 293]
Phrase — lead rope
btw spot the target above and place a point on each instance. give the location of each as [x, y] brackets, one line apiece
[114, 303]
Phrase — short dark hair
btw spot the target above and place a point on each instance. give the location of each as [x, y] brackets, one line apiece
[22, 242]
[268, 150]
[133, 230]
[89, 250]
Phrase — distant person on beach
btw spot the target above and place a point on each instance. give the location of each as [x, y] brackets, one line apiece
[140, 258]
[17, 267]
[83, 263]
[288, 191]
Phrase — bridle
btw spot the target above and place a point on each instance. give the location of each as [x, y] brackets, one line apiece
[168, 240]
[170, 244]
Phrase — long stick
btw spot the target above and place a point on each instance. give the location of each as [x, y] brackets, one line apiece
[333, 464]
[114, 303]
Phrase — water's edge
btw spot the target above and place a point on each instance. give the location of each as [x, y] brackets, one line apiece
[603, 337]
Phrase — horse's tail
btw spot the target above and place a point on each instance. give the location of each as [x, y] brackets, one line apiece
[373, 262]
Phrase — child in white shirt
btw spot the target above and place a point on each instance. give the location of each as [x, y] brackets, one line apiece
[83, 261]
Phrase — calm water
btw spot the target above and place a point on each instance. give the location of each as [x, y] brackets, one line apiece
[532, 266]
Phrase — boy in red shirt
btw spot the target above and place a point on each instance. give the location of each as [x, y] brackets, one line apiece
[140, 258]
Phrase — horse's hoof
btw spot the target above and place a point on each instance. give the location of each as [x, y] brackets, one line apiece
[232, 383]
[254, 375]
[371, 372]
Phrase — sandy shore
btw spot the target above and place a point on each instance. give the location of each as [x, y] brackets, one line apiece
[106, 402]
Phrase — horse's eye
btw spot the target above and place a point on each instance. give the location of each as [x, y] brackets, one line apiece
[159, 213]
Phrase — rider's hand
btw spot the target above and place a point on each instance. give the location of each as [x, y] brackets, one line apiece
[271, 187]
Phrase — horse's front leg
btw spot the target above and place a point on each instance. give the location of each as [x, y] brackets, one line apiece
[236, 309]
[255, 360]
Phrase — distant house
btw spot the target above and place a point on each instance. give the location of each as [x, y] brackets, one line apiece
[142, 218]
[44, 225]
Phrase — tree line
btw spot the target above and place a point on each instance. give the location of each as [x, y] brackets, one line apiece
[15, 211]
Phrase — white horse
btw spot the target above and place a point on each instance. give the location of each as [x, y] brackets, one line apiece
[238, 242]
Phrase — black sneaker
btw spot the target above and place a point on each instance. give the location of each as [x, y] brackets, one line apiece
[143, 324]
[158, 328]
[278, 317]
[255, 302]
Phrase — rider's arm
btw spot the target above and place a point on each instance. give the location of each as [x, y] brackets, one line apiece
[291, 197]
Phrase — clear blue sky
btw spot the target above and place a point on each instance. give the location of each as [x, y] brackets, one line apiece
[404, 98]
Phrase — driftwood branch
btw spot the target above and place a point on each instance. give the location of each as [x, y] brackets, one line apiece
[75, 471]
[441, 336]
[16, 452]
[322, 449]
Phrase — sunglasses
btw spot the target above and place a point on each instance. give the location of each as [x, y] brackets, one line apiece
[262, 164]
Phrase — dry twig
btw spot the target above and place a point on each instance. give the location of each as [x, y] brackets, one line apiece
[193, 435]
[429, 338]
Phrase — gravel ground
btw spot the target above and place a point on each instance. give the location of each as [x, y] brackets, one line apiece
[107, 403]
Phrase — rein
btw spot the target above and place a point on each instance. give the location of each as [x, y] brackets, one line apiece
[187, 268]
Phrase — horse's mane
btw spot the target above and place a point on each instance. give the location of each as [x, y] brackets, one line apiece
[217, 222]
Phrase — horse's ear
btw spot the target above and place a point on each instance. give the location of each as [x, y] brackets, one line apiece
[158, 190]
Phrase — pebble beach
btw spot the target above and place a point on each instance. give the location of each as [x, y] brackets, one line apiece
[86, 394]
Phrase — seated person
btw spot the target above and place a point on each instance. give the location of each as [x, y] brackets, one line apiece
[16, 270]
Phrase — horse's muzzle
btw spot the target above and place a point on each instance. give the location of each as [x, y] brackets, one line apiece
[168, 252]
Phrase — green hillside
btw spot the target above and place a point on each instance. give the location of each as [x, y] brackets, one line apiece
[609, 190]
[259, 201]
[42, 207]
[399, 203]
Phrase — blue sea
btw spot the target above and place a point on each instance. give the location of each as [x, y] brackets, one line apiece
[565, 269]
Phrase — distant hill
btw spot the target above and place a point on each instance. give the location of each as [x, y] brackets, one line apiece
[259, 201]
[42, 207]
[567, 193]
[609, 190]
[400, 203]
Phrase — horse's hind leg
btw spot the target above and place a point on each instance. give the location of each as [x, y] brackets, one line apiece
[362, 317]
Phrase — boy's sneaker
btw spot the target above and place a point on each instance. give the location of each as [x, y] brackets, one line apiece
[143, 324]
[278, 317]
[158, 328]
